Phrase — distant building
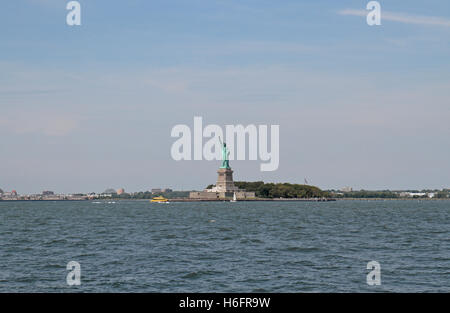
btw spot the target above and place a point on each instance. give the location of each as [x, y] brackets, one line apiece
[167, 190]
[9, 195]
[47, 193]
[109, 191]
[347, 189]
[1, 192]
[415, 194]
[120, 191]
[156, 190]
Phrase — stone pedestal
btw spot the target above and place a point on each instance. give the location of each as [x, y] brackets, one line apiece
[224, 189]
[225, 180]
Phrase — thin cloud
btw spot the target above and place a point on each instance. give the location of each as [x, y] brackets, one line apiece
[44, 123]
[402, 18]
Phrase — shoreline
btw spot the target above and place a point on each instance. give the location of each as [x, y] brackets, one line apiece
[242, 200]
[173, 200]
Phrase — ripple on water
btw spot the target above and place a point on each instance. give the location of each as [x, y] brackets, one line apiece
[199, 274]
[302, 249]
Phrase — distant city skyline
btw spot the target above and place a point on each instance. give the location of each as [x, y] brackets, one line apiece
[90, 107]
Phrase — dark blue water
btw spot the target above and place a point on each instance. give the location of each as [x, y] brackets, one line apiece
[225, 247]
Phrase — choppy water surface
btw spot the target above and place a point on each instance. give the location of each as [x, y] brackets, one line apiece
[135, 246]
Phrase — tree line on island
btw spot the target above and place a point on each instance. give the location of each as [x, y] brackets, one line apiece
[280, 190]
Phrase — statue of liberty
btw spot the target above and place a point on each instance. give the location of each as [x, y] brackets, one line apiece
[225, 155]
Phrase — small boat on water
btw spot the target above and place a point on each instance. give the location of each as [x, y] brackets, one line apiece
[234, 197]
[159, 199]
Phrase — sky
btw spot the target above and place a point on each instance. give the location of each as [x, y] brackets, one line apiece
[90, 107]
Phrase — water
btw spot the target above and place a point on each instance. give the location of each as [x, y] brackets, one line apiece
[135, 246]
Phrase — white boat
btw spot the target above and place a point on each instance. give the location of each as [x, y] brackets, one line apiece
[234, 197]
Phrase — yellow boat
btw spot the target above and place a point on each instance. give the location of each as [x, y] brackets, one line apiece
[159, 199]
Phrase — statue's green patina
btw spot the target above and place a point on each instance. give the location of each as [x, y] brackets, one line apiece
[225, 155]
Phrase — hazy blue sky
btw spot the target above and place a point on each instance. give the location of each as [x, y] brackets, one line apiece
[91, 107]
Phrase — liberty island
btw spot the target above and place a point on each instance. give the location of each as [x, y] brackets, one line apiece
[225, 188]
